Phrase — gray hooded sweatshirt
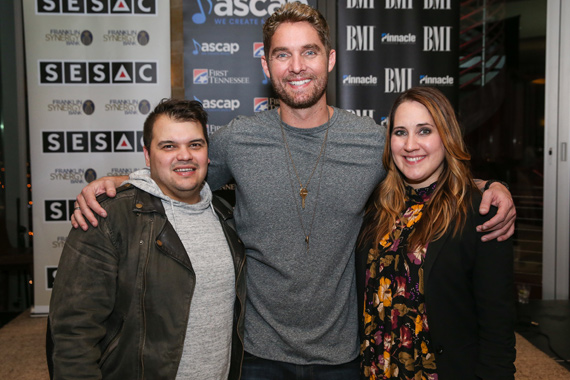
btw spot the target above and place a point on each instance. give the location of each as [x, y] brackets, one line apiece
[207, 345]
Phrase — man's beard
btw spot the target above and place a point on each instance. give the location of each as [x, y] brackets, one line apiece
[308, 100]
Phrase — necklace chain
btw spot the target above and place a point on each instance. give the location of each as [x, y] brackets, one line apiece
[303, 192]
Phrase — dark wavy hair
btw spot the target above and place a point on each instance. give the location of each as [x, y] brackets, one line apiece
[179, 110]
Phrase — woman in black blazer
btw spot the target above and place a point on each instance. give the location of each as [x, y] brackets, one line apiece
[438, 302]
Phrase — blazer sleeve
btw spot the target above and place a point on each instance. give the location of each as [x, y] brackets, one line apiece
[495, 303]
[82, 299]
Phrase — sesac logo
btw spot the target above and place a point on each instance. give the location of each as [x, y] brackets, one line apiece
[399, 4]
[59, 210]
[96, 7]
[234, 12]
[92, 142]
[437, 4]
[397, 79]
[360, 37]
[97, 72]
[368, 113]
[437, 38]
[215, 48]
[258, 50]
[360, 4]
[217, 105]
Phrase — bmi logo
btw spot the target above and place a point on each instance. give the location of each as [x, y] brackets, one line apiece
[437, 4]
[200, 76]
[399, 4]
[360, 38]
[360, 4]
[258, 51]
[437, 38]
[397, 79]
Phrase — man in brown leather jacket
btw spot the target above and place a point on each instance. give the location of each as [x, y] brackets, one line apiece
[157, 291]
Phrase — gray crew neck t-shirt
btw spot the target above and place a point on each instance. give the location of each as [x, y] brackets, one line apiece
[301, 306]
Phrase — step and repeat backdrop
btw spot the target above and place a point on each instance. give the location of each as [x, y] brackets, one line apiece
[385, 47]
[95, 69]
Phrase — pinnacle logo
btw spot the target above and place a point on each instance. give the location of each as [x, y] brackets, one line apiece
[437, 38]
[96, 7]
[97, 72]
[399, 4]
[397, 79]
[426, 80]
[360, 4]
[92, 142]
[437, 4]
[360, 37]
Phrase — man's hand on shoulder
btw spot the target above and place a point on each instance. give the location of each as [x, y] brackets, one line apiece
[86, 203]
[502, 225]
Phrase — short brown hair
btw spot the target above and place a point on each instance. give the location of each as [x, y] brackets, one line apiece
[178, 110]
[296, 12]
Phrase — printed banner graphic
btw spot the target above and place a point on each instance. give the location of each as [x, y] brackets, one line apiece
[387, 46]
[95, 69]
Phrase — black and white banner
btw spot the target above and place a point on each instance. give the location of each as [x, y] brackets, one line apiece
[95, 69]
[388, 46]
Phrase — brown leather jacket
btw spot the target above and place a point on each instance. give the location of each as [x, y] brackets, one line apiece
[120, 303]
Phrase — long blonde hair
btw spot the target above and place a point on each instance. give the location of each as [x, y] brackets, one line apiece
[452, 198]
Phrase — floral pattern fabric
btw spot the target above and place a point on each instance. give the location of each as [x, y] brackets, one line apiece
[397, 342]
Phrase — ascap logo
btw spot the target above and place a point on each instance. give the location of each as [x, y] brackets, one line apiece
[399, 4]
[71, 106]
[126, 37]
[92, 142]
[215, 48]
[437, 38]
[360, 37]
[360, 4]
[215, 105]
[234, 12]
[397, 79]
[437, 4]
[258, 50]
[96, 7]
[98, 72]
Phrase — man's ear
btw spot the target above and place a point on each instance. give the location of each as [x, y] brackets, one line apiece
[146, 156]
[332, 59]
[265, 66]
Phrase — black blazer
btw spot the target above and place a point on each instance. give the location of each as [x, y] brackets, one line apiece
[470, 301]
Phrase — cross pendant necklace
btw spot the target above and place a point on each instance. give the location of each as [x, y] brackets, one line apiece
[303, 192]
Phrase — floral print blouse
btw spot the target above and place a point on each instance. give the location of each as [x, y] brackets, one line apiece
[397, 337]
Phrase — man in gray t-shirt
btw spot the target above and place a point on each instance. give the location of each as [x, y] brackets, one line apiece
[303, 174]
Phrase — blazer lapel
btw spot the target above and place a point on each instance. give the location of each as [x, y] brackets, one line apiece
[433, 250]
